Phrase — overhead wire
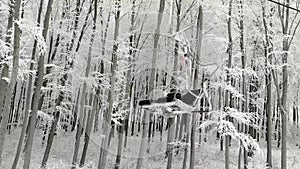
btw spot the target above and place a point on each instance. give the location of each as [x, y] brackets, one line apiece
[287, 6]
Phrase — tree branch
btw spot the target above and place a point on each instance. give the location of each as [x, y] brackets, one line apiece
[190, 7]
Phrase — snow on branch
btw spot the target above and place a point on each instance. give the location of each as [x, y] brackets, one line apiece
[241, 117]
[248, 142]
[44, 116]
[36, 31]
[234, 92]
[226, 128]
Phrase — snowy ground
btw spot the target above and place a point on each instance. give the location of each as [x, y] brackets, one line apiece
[208, 155]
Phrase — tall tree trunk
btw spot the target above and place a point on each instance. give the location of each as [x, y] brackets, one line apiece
[284, 90]
[179, 125]
[80, 122]
[129, 85]
[50, 138]
[83, 29]
[75, 112]
[88, 130]
[111, 96]
[120, 144]
[13, 79]
[196, 80]
[76, 21]
[227, 95]
[171, 119]
[83, 94]
[91, 114]
[153, 73]
[15, 118]
[144, 139]
[243, 59]
[220, 94]
[155, 46]
[58, 37]
[37, 92]
[28, 94]
[269, 115]
[103, 51]
[187, 123]
[3, 85]
[268, 50]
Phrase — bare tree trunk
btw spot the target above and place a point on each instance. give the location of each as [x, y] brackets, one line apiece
[91, 114]
[12, 107]
[268, 78]
[243, 59]
[15, 118]
[171, 137]
[88, 130]
[153, 78]
[103, 41]
[28, 95]
[144, 139]
[179, 125]
[176, 49]
[120, 145]
[220, 94]
[269, 116]
[111, 95]
[227, 97]
[3, 84]
[37, 92]
[155, 46]
[13, 79]
[171, 119]
[284, 111]
[75, 112]
[80, 122]
[83, 94]
[187, 129]
[153, 73]
[83, 29]
[76, 21]
[129, 86]
[196, 80]
[286, 30]
[58, 38]
[50, 139]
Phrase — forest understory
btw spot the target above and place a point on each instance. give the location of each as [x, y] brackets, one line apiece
[208, 154]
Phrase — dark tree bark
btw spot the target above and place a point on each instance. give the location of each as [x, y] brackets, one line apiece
[111, 95]
[227, 95]
[95, 100]
[268, 50]
[14, 74]
[28, 94]
[196, 81]
[37, 92]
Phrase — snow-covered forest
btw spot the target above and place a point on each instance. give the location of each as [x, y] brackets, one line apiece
[198, 84]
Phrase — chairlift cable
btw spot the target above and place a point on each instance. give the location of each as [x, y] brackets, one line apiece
[287, 6]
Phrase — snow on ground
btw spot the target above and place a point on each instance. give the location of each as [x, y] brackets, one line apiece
[208, 154]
